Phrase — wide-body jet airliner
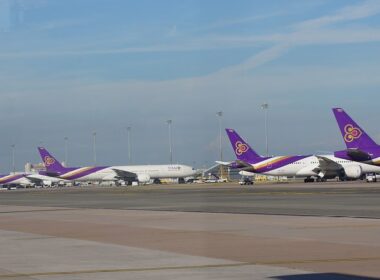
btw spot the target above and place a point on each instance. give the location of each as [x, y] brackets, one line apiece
[306, 166]
[25, 179]
[140, 173]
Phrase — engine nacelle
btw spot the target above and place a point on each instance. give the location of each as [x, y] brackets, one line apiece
[143, 178]
[353, 171]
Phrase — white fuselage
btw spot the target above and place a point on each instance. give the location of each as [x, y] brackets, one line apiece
[310, 166]
[159, 171]
[20, 181]
[149, 171]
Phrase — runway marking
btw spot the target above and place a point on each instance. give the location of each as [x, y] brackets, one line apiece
[270, 263]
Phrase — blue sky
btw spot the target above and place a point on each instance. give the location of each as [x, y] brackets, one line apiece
[68, 68]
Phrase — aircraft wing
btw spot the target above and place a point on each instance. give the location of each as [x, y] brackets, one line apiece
[34, 180]
[38, 179]
[125, 175]
[326, 164]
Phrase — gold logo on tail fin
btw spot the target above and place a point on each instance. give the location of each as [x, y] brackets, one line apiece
[241, 148]
[48, 161]
[351, 133]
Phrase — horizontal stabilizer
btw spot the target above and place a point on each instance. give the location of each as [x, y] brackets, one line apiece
[245, 166]
[224, 163]
[237, 164]
[243, 163]
[50, 173]
[358, 155]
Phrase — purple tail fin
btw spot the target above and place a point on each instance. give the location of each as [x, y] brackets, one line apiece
[353, 135]
[242, 150]
[50, 162]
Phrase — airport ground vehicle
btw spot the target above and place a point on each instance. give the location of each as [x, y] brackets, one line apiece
[372, 177]
[245, 181]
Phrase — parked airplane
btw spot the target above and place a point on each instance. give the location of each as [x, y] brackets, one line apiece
[14, 179]
[305, 166]
[139, 173]
[360, 147]
[25, 180]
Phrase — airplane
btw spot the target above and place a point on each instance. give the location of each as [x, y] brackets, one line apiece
[14, 179]
[26, 180]
[321, 167]
[360, 146]
[133, 173]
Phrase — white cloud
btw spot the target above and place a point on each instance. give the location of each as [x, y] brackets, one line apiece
[233, 22]
[310, 32]
[363, 10]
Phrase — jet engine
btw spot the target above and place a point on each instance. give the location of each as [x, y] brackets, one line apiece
[353, 171]
[143, 178]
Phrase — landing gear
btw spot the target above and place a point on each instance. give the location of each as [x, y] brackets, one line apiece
[321, 179]
[122, 183]
[157, 181]
[309, 180]
[181, 181]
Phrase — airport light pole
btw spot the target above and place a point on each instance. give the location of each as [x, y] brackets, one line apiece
[169, 122]
[66, 149]
[220, 115]
[265, 107]
[94, 146]
[129, 143]
[13, 158]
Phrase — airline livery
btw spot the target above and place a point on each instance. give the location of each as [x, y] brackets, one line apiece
[24, 179]
[360, 147]
[306, 166]
[14, 179]
[140, 173]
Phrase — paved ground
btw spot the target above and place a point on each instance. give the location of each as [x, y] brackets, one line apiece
[328, 199]
[109, 233]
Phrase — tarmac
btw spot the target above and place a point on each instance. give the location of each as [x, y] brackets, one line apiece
[284, 231]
